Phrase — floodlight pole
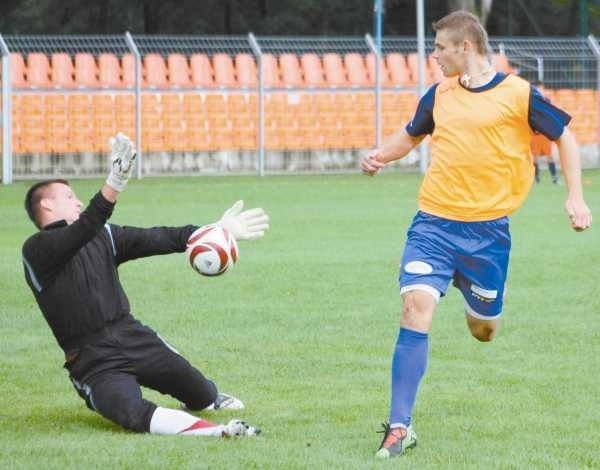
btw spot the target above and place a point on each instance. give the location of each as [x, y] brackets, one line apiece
[593, 43]
[423, 153]
[6, 114]
[138, 102]
[261, 104]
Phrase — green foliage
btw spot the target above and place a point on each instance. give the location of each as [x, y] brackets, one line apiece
[303, 327]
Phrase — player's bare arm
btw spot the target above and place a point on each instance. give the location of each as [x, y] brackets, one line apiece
[395, 148]
[579, 213]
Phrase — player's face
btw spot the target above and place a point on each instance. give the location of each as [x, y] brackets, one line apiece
[448, 54]
[63, 203]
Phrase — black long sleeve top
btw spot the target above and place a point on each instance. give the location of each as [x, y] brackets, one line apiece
[72, 269]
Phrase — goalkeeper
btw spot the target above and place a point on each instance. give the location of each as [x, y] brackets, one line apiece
[71, 267]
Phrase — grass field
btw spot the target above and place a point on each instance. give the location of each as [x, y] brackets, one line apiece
[303, 329]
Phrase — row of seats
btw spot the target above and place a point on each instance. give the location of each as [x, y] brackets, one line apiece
[199, 70]
[61, 123]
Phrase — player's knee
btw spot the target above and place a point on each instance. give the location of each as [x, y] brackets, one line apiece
[204, 397]
[484, 333]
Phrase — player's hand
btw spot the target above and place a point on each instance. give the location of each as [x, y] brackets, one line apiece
[579, 213]
[372, 163]
[122, 156]
[245, 225]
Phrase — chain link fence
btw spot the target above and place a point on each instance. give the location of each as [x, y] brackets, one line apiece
[244, 104]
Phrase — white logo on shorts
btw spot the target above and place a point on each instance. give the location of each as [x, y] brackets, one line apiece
[482, 294]
[418, 267]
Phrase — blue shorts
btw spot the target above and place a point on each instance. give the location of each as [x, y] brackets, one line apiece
[472, 254]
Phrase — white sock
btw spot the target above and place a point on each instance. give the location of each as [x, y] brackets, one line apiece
[168, 421]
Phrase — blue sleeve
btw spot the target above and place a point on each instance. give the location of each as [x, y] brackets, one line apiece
[546, 118]
[422, 122]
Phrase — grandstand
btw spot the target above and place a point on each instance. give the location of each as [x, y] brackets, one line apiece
[240, 104]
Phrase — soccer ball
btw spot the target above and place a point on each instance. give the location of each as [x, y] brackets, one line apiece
[211, 250]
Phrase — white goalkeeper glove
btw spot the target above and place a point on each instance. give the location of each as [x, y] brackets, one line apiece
[122, 156]
[244, 225]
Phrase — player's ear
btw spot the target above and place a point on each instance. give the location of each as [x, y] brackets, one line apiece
[46, 204]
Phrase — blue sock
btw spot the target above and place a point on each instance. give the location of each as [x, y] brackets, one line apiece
[408, 366]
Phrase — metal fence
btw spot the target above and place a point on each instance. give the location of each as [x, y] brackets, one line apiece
[244, 104]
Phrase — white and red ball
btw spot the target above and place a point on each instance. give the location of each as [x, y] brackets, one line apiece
[211, 250]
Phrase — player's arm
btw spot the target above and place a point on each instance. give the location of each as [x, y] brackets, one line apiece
[47, 251]
[577, 210]
[131, 243]
[552, 121]
[404, 140]
[395, 148]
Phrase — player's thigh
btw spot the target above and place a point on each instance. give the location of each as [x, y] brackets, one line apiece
[427, 263]
[117, 396]
[482, 270]
[168, 372]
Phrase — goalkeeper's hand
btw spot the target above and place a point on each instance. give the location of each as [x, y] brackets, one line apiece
[122, 156]
[245, 225]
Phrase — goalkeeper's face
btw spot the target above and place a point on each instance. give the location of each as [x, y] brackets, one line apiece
[449, 54]
[61, 203]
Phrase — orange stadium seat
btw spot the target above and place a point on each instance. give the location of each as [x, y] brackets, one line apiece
[179, 71]
[312, 69]
[412, 60]
[155, 71]
[62, 71]
[201, 70]
[399, 73]
[224, 71]
[86, 71]
[333, 68]
[109, 71]
[270, 71]
[385, 74]
[246, 70]
[17, 70]
[38, 70]
[356, 70]
[291, 74]
[128, 71]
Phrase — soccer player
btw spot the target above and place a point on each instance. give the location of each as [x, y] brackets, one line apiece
[480, 122]
[71, 267]
[541, 148]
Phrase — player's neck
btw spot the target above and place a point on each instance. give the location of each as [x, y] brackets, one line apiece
[478, 73]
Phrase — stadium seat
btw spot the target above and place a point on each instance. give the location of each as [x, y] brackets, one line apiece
[399, 74]
[17, 70]
[500, 63]
[109, 71]
[224, 71]
[155, 71]
[412, 61]
[291, 73]
[179, 71]
[128, 71]
[201, 71]
[246, 71]
[86, 72]
[38, 70]
[62, 71]
[334, 71]
[270, 71]
[313, 70]
[356, 70]
[385, 74]
[434, 69]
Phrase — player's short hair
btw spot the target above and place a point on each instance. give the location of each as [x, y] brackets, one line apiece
[35, 194]
[464, 25]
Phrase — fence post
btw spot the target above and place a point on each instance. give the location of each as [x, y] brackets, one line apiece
[593, 43]
[138, 102]
[377, 55]
[261, 104]
[6, 114]
[423, 151]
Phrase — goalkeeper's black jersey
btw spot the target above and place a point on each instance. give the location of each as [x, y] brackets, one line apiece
[72, 269]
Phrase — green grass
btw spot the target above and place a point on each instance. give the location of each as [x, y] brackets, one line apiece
[303, 328]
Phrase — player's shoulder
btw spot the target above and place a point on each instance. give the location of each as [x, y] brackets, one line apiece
[516, 82]
[446, 84]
